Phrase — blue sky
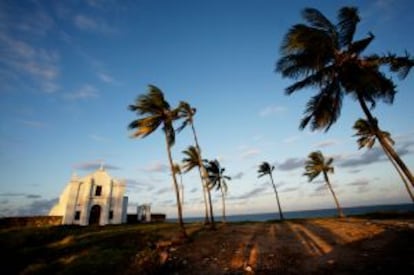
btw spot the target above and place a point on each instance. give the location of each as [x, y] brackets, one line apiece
[69, 69]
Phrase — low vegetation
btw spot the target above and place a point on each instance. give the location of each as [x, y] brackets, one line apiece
[365, 244]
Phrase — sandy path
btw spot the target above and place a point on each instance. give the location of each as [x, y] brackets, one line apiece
[319, 246]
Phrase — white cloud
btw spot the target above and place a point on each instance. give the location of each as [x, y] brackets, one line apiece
[85, 92]
[94, 165]
[291, 139]
[271, 110]
[156, 167]
[98, 138]
[105, 77]
[250, 153]
[326, 143]
[22, 59]
[33, 123]
[86, 23]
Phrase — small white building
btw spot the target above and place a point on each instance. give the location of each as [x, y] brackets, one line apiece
[94, 199]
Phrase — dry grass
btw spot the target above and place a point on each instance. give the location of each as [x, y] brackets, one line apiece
[364, 245]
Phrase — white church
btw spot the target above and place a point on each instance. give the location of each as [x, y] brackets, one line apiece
[94, 199]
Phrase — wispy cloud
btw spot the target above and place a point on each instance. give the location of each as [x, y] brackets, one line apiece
[87, 23]
[33, 123]
[98, 138]
[94, 165]
[250, 153]
[359, 182]
[84, 92]
[271, 110]
[237, 176]
[291, 139]
[291, 164]
[326, 143]
[250, 194]
[368, 157]
[163, 191]
[105, 77]
[157, 167]
[22, 60]
[289, 189]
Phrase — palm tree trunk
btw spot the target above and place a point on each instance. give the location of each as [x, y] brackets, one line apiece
[204, 176]
[277, 197]
[223, 203]
[213, 224]
[182, 189]
[177, 194]
[203, 183]
[407, 186]
[340, 213]
[384, 143]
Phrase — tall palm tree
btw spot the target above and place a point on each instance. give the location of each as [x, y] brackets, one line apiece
[266, 169]
[317, 164]
[324, 55]
[218, 180]
[190, 161]
[186, 112]
[367, 138]
[154, 111]
[177, 170]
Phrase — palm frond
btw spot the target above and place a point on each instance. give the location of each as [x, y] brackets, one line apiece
[359, 46]
[191, 159]
[316, 19]
[323, 109]
[145, 126]
[348, 19]
[313, 80]
[315, 164]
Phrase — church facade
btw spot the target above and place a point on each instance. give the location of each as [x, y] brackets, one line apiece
[94, 199]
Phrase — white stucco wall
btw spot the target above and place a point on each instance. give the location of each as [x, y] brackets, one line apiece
[80, 195]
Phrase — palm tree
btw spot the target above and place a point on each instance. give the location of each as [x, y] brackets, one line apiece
[317, 164]
[190, 161]
[323, 55]
[177, 170]
[153, 111]
[266, 169]
[186, 112]
[218, 180]
[367, 138]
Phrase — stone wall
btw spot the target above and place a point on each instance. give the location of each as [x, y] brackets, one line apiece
[35, 221]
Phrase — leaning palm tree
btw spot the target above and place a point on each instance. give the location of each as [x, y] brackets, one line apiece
[367, 138]
[153, 111]
[218, 180]
[317, 164]
[266, 169]
[186, 112]
[177, 170]
[190, 161]
[324, 55]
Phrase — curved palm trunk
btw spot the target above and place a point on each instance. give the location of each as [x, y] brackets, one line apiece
[340, 213]
[177, 194]
[182, 190]
[277, 198]
[384, 143]
[213, 224]
[223, 204]
[206, 216]
[205, 179]
[401, 175]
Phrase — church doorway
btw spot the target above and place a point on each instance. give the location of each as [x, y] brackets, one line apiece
[95, 215]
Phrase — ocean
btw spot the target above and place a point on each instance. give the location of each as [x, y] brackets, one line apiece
[318, 213]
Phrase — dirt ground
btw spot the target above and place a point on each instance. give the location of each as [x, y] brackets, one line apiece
[315, 246]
